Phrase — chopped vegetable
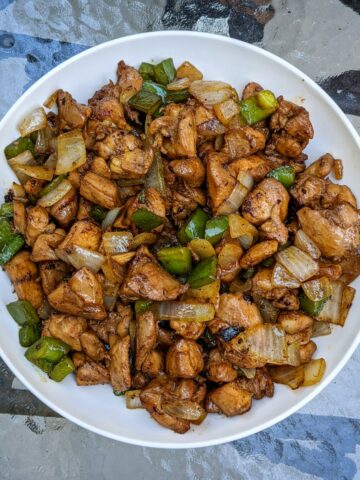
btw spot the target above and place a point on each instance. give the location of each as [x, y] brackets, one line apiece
[7, 210]
[54, 192]
[284, 174]
[146, 70]
[176, 260]
[15, 148]
[144, 238]
[282, 278]
[188, 70]
[304, 242]
[313, 372]
[116, 242]
[47, 348]
[110, 218]
[156, 89]
[164, 71]
[243, 230]
[226, 110]
[203, 273]
[97, 213]
[258, 107]
[52, 185]
[23, 159]
[177, 96]
[249, 273]
[142, 305]
[80, 257]
[336, 308]
[178, 84]
[146, 220]
[36, 171]
[320, 329]
[185, 311]
[207, 293]
[28, 334]
[215, 228]
[194, 227]
[132, 399]
[288, 375]
[211, 92]
[310, 307]
[318, 289]
[62, 369]
[184, 409]
[145, 101]
[237, 196]
[10, 242]
[298, 263]
[155, 176]
[71, 152]
[23, 312]
[33, 122]
[201, 249]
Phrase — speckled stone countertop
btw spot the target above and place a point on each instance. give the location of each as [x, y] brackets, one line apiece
[321, 37]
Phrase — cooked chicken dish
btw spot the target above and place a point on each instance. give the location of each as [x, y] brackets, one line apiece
[170, 240]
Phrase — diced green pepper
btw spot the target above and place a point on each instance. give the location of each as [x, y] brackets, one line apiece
[62, 369]
[258, 107]
[155, 88]
[10, 242]
[18, 146]
[44, 365]
[97, 213]
[215, 228]
[177, 96]
[7, 210]
[194, 227]
[50, 186]
[204, 273]
[165, 71]
[176, 260]
[47, 348]
[146, 70]
[28, 334]
[268, 262]
[145, 101]
[284, 175]
[142, 305]
[159, 112]
[146, 220]
[23, 312]
[248, 273]
[309, 306]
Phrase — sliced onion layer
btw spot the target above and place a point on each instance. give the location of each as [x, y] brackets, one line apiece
[304, 242]
[201, 249]
[242, 187]
[23, 159]
[293, 377]
[282, 278]
[132, 399]
[207, 293]
[178, 84]
[36, 171]
[83, 257]
[314, 372]
[55, 194]
[33, 122]
[123, 258]
[298, 263]
[143, 238]
[110, 218]
[185, 311]
[71, 152]
[210, 92]
[116, 242]
[243, 230]
[248, 372]
[184, 409]
[318, 289]
[320, 329]
[338, 305]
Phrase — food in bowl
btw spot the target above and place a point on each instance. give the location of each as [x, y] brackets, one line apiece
[168, 239]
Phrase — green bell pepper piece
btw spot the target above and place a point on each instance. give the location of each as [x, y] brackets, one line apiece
[146, 70]
[284, 175]
[258, 107]
[7, 210]
[204, 273]
[145, 101]
[10, 242]
[44, 365]
[28, 334]
[18, 146]
[268, 262]
[97, 213]
[155, 88]
[194, 227]
[142, 306]
[215, 228]
[309, 306]
[62, 369]
[146, 220]
[248, 273]
[165, 71]
[177, 96]
[176, 260]
[47, 348]
[23, 313]
[50, 186]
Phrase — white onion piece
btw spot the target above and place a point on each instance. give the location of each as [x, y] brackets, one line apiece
[338, 305]
[178, 84]
[293, 377]
[282, 278]
[55, 194]
[36, 171]
[319, 329]
[184, 409]
[187, 312]
[116, 242]
[83, 257]
[210, 92]
[318, 289]
[246, 179]
[248, 372]
[71, 151]
[242, 229]
[304, 242]
[294, 354]
[234, 201]
[110, 218]
[23, 159]
[298, 263]
[313, 372]
[132, 399]
[110, 294]
[32, 122]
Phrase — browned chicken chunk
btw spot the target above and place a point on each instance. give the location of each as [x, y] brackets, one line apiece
[100, 190]
[68, 328]
[120, 363]
[64, 210]
[83, 233]
[237, 310]
[37, 223]
[184, 359]
[71, 113]
[259, 386]
[92, 373]
[230, 399]
[92, 346]
[45, 245]
[146, 333]
[219, 370]
[190, 330]
[52, 273]
[191, 170]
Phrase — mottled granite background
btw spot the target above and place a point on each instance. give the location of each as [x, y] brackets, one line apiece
[321, 37]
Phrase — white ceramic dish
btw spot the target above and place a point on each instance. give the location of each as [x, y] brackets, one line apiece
[96, 408]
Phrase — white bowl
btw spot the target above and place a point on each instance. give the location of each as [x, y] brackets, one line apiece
[219, 58]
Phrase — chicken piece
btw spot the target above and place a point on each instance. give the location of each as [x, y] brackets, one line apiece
[302, 338]
[262, 285]
[82, 295]
[129, 79]
[139, 380]
[79, 359]
[336, 232]
[184, 201]
[322, 167]
[294, 322]
[274, 228]
[92, 373]
[259, 386]
[83, 233]
[52, 273]
[219, 370]
[71, 113]
[145, 338]
[33, 186]
[146, 279]
[100, 190]
[166, 338]
[120, 373]
[19, 216]
[285, 145]
[45, 244]
[189, 330]
[337, 194]
[24, 276]
[153, 364]
[64, 210]
[37, 223]
[250, 90]
[230, 399]
[259, 203]
[152, 397]
[175, 132]
[191, 170]
[288, 302]
[220, 180]
[307, 351]
[257, 166]
[238, 310]
[184, 359]
[125, 314]
[68, 328]
[83, 212]
[92, 346]
[107, 113]
[334, 271]
[243, 142]
[115, 323]
[45, 332]
[258, 252]
[229, 252]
